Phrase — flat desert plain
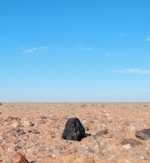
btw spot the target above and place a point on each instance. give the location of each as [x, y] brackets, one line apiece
[35, 130]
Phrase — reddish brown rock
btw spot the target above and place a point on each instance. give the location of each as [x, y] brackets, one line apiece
[108, 135]
[18, 158]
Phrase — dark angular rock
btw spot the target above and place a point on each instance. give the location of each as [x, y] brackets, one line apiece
[143, 134]
[20, 131]
[101, 133]
[74, 130]
[132, 142]
[34, 131]
[18, 147]
[17, 131]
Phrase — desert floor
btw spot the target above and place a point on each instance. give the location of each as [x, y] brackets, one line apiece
[35, 130]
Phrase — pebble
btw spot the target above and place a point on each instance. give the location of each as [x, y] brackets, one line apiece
[101, 133]
[132, 142]
[11, 149]
[28, 123]
[108, 135]
[15, 124]
[18, 158]
[34, 131]
[143, 134]
[127, 146]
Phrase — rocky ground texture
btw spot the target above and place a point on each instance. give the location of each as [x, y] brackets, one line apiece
[112, 129]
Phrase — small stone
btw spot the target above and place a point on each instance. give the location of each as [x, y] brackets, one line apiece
[132, 142]
[20, 131]
[1, 138]
[108, 135]
[18, 158]
[35, 131]
[28, 123]
[18, 147]
[131, 127]
[142, 157]
[127, 146]
[101, 133]
[17, 131]
[143, 134]
[11, 149]
[43, 117]
[15, 124]
[48, 132]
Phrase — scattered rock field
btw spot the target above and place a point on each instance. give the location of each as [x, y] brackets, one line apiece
[114, 132]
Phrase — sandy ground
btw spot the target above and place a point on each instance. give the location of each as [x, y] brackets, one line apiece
[35, 130]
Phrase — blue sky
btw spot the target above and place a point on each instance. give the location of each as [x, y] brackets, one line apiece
[74, 50]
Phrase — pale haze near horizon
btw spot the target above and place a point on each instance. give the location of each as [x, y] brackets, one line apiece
[74, 51]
